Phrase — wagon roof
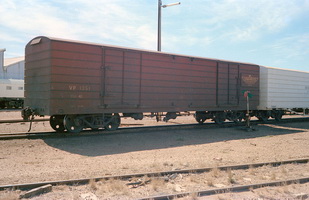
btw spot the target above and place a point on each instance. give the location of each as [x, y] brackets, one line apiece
[291, 70]
[137, 49]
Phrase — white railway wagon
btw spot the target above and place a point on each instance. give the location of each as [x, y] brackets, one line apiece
[11, 93]
[283, 89]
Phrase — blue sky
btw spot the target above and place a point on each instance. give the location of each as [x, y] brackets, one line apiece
[266, 32]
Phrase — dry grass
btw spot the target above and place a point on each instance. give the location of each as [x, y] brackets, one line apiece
[192, 196]
[284, 188]
[252, 170]
[146, 179]
[210, 182]
[215, 172]
[284, 170]
[157, 184]
[114, 186]
[93, 185]
[117, 185]
[194, 179]
[230, 176]
[273, 175]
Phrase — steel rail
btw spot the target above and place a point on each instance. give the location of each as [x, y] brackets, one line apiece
[36, 135]
[21, 121]
[151, 174]
[240, 188]
[10, 109]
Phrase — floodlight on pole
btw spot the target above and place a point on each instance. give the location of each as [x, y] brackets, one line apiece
[159, 19]
[171, 4]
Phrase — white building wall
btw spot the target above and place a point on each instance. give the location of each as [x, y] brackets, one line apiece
[15, 71]
[11, 68]
[1, 60]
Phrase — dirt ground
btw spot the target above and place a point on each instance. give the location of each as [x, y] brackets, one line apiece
[47, 159]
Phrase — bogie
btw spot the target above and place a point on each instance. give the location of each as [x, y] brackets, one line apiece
[76, 123]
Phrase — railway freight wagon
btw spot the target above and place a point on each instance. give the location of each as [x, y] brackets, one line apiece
[84, 85]
[11, 93]
[282, 90]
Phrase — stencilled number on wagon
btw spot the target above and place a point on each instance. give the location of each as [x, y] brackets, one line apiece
[79, 88]
[72, 87]
[84, 88]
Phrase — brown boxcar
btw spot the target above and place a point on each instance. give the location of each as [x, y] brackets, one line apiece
[70, 78]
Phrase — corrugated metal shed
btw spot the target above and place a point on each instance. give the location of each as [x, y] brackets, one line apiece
[13, 68]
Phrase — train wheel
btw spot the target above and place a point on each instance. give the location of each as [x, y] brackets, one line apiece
[56, 122]
[278, 115]
[200, 120]
[73, 123]
[200, 117]
[219, 117]
[113, 123]
[263, 116]
[19, 104]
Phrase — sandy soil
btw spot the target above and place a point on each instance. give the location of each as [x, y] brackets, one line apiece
[24, 161]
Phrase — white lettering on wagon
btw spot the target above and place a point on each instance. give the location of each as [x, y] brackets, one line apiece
[72, 87]
[84, 88]
[79, 87]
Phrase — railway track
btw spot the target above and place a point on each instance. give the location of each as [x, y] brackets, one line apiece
[240, 188]
[126, 129]
[21, 121]
[166, 175]
[10, 109]
[30, 135]
[136, 128]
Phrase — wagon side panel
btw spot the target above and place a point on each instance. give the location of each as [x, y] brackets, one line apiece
[37, 75]
[177, 83]
[75, 78]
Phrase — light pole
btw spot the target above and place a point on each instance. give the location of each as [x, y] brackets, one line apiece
[159, 19]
